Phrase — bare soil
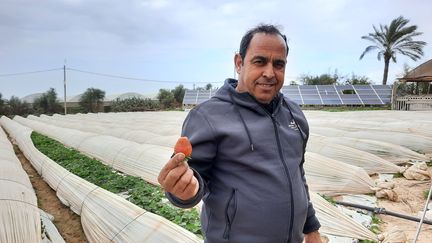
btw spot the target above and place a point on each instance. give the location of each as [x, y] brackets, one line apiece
[67, 222]
[411, 200]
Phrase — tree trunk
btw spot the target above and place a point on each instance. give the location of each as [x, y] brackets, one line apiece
[386, 68]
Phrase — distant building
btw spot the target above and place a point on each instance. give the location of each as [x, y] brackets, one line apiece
[420, 74]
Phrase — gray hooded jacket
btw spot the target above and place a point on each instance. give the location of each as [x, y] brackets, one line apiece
[250, 167]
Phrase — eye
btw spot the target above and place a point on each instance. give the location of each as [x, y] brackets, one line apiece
[279, 65]
[258, 61]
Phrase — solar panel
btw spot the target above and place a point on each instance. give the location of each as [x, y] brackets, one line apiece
[316, 94]
[368, 96]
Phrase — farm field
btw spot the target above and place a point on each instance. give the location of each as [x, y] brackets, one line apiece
[115, 157]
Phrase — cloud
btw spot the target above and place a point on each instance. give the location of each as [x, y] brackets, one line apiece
[190, 40]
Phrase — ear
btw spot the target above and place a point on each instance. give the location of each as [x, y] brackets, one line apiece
[238, 62]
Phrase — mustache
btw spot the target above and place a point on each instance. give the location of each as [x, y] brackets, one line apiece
[266, 81]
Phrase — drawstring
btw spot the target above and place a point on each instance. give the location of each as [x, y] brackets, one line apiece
[302, 133]
[243, 121]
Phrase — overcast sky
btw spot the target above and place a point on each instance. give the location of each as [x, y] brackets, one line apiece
[187, 41]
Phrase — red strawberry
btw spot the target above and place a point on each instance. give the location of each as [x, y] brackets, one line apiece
[183, 146]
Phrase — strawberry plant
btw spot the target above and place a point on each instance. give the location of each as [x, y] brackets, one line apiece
[139, 192]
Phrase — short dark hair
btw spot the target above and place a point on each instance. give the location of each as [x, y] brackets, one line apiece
[262, 28]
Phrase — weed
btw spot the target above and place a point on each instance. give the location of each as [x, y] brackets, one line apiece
[426, 193]
[329, 199]
[398, 175]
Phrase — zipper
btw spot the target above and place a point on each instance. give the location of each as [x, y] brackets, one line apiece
[229, 220]
[275, 125]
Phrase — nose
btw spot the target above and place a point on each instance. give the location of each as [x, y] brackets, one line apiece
[268, 71]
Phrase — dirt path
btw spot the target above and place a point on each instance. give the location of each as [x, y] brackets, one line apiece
[410, 202]
[67, 222]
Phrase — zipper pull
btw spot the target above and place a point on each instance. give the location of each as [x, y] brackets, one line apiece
[274, 119]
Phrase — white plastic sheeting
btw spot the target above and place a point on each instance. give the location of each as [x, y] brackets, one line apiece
[167, 122]
[412, 141]
[371, 163]
[334, 222]
[50, 233]
[140, 131]
[411, 123]
[143, 160]
[105, 217]
[19, 212]
[388, 151]
[331, 177]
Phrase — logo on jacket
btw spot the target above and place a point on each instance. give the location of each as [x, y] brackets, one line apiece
[293, 125]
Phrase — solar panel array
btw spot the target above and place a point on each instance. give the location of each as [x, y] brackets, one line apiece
[195, 97]
[317, 95]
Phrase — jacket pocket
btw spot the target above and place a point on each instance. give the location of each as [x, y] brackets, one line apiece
[230, 212]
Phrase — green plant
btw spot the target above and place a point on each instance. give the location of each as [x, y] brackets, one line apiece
[398, 175]
[140, 192]
[92, 100]
[425, 194]
[47, 103]
[329, 199]
[376, 219]
[166, 99]
[134, 104]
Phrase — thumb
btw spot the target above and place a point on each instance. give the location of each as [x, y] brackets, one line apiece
[174, 162]
[179, 157]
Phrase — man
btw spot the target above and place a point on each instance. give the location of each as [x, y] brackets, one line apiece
[248, 152]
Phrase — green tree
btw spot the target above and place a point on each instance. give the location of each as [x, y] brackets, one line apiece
[2, 106]
[179, 93]
[92, 100]
[394, 39]
[404, 88]
[166, 98]
[356, 80]
[48, 103]
[323, 79]
[208, 86]
[18, 107]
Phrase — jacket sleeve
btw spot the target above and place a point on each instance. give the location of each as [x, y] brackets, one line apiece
[204, 147]
[312, 224]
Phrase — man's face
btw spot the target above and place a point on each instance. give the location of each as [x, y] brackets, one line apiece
[262, 71]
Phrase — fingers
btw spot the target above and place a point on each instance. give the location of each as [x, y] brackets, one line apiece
[187, 187]
[191, 190]
[183, 182]
[172, 163]
[178, 179]
[173, 177]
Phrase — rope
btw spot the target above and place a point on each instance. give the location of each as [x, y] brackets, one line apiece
[112, 239]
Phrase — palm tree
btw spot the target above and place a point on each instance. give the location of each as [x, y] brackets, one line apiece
[393, 39]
